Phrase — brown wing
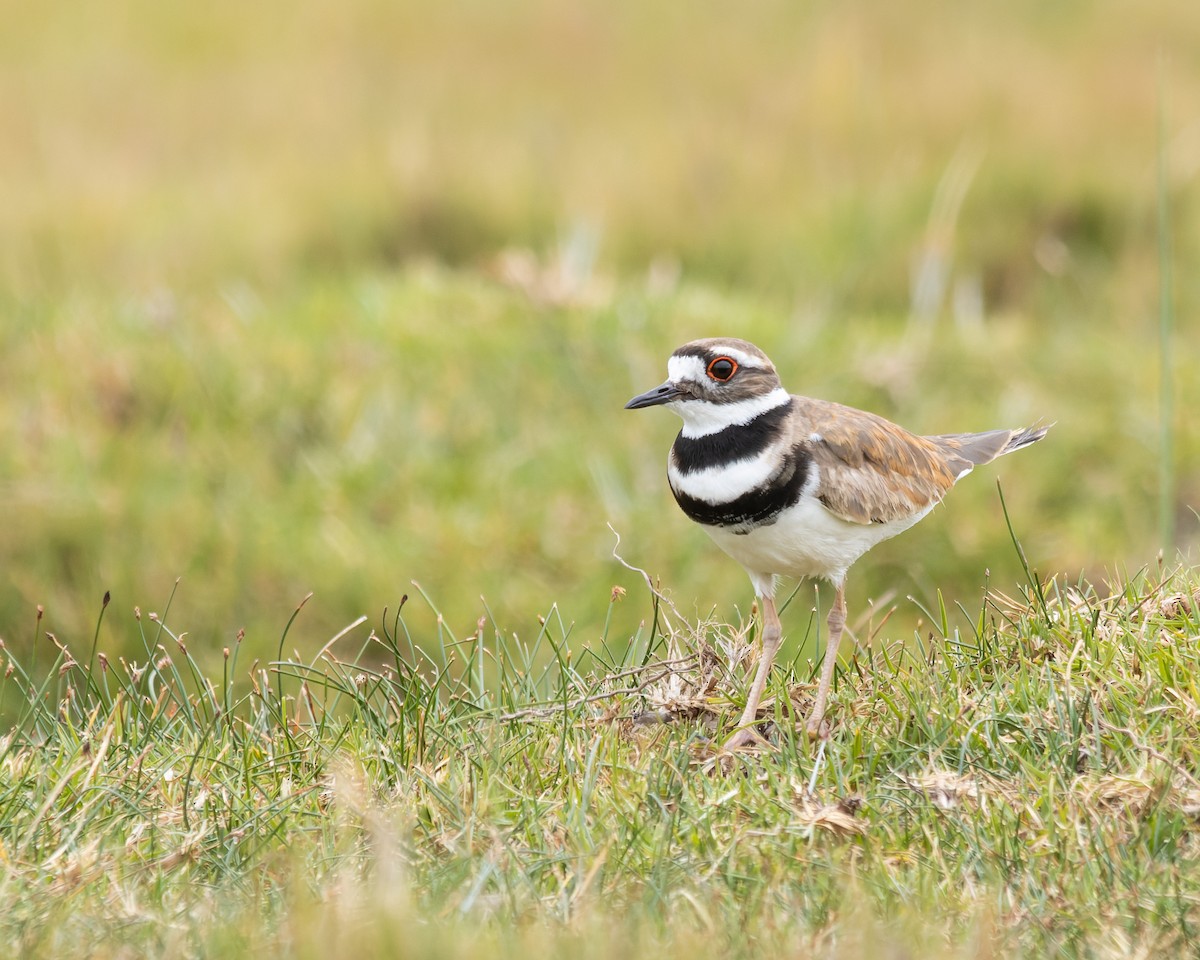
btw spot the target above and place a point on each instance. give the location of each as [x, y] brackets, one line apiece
[872, 470]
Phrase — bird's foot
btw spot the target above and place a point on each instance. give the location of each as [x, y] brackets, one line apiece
[746, 738]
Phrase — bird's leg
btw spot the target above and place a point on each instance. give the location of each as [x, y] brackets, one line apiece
[836, 622]
[772, 632]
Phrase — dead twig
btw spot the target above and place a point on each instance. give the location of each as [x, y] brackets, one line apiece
[664, 667]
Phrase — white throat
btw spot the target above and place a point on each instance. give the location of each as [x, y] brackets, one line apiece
[701, 418]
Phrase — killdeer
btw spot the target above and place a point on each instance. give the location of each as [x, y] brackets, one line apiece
[796, 487]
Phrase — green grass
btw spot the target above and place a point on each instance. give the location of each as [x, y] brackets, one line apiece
[1018, 783]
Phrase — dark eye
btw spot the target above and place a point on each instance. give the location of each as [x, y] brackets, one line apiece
[722, 369]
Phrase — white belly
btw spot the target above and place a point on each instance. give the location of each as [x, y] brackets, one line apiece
[806, 541]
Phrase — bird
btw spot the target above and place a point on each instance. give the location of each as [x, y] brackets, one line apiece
[797, 487]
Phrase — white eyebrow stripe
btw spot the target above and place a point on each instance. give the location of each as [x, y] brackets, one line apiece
[743, 359]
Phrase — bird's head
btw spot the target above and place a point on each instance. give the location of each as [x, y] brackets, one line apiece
[715, 383]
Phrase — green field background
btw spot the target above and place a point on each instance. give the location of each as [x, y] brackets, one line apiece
[335, 297]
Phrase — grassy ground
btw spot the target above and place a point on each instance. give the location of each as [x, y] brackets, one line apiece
[338, 299]
[1022, 787]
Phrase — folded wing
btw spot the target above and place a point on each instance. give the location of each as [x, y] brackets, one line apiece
[873, 471]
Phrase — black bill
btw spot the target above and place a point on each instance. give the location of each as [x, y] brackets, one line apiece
[652, 398]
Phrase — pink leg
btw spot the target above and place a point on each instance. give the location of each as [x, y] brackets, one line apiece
[772, 632]
[836, 622]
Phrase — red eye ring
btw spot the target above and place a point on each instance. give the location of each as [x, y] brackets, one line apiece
[722, 369]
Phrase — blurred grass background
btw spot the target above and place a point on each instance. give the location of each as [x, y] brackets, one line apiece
[334, 297]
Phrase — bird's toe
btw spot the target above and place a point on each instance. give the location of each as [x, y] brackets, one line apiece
[745, 739]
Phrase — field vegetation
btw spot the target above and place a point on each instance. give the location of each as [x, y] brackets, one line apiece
[344, 301]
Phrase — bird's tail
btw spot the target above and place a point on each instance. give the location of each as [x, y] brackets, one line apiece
[966, 450]
[1024, 437]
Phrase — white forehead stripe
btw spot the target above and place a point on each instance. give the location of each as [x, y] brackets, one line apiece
[701, 418]
[686, 368]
